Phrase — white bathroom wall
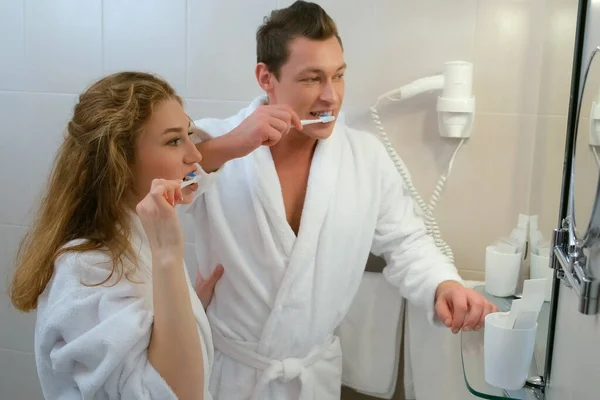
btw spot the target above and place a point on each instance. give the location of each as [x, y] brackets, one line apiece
[51, 51]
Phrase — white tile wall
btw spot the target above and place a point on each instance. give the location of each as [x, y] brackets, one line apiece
[222, 37]
[521, 50]
[147, 36]
[559, 32]
[18, 376]
[34, 127]
[63, 44]
[508, 50]
[414, 38]
[12, 44]
[18, 334]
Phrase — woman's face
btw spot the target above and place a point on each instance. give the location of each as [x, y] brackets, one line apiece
[164, 150]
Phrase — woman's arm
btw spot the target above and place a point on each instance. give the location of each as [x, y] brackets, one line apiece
[175, 348]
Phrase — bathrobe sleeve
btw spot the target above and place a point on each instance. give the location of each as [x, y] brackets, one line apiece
[91, 342]
[205, 129]
[414, 263]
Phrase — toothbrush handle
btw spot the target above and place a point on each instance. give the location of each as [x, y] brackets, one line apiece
[310, 121]
[187, 183]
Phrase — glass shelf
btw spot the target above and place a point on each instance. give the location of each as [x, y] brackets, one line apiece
[472, 357]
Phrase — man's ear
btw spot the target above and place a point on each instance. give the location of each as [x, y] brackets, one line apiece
[264, 77]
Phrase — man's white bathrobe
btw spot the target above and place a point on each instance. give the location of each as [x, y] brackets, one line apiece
[91, 342]
[281, 297]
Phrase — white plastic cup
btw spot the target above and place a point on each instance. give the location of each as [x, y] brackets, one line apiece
[501, 272]
[539, 268]
[507, 352]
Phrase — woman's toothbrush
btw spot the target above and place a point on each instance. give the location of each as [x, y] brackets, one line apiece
[190, 178]
[323, 120]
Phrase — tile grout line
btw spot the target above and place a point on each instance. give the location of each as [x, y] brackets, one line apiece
[245, 101]
[17, 351]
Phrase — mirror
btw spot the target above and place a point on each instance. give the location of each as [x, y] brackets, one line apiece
[586, 162]
[575, 253]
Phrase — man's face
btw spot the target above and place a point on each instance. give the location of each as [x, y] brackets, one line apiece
[311, 82]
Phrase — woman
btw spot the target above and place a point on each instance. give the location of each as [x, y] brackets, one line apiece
[117, 316]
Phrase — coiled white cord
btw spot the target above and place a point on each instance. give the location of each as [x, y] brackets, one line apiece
[426, 210]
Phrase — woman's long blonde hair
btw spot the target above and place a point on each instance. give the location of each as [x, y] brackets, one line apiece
[86, 197]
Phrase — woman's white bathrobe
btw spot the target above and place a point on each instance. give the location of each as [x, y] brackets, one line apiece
[281, 297]
[92, 342]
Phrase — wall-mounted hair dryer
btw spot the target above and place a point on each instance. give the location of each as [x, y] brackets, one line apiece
[456, 104]
[456, 109]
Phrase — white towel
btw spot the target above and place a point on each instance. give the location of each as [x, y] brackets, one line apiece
[433, 363]
[371, 334]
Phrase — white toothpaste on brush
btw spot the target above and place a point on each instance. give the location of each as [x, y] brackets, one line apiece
[324, 119]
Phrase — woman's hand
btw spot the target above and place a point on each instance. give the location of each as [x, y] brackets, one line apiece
[160, 221]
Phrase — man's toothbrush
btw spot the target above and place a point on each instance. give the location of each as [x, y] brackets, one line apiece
[189, 179]
[323, 120]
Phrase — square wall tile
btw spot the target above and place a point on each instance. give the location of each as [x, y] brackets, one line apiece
[14, 135]
[560, 20]
[198, 109]
[47, 125]
[12, 45]
[17, 327]
[412, 40]
[148, 36]
[488, 187]
[18, 376]
[222, 48]
[34, 128]
[547, 176]
[508, 56]
[63, 44]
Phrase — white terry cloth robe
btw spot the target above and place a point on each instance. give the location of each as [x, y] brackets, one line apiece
[91, 342]
[281, 297]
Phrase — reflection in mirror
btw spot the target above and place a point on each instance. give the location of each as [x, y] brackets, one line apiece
[576, 244]
[586, 163]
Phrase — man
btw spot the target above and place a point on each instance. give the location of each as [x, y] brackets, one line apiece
[292, 218]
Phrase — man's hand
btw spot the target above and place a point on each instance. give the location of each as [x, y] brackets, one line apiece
[206, 288]
[264, 127]
[460, 308]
